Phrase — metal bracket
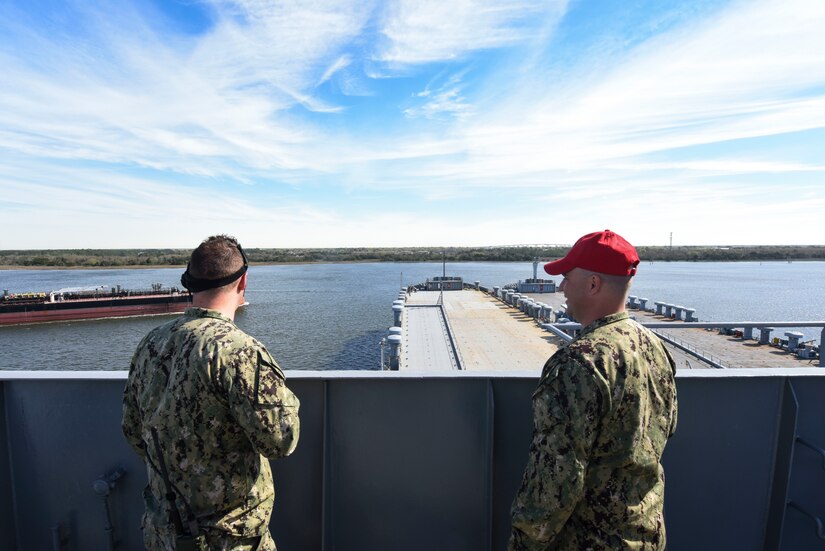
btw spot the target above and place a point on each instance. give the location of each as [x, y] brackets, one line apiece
[103, 486]
[820, 532]
[106, 483]
[820, 451]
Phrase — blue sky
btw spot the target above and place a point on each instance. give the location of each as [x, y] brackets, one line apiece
[411, 122]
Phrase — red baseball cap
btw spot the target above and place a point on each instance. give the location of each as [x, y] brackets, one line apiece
[605, 252]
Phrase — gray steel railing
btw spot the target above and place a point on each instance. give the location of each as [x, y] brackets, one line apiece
[692, 350]
[410, 460]
[792, 487]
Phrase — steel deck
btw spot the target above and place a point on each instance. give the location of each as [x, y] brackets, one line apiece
[488, 334]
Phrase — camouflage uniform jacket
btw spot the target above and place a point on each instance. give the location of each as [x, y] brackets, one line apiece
[603, 411]
[220, 406]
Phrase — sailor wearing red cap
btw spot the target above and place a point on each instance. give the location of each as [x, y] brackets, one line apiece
[603, 411]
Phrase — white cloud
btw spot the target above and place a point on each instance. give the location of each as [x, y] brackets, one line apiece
[65, 207]
[754, 71]
[725, 166]
[208, 106]
[242, 104]
[422, 31]
[340, 63]
[446, 99]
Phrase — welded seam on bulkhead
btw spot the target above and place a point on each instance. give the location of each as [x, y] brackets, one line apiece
[326, 482]
[782, 465]
[5, 432]
[491, 444]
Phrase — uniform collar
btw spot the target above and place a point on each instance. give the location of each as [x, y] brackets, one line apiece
[607, 320]
[196, 312]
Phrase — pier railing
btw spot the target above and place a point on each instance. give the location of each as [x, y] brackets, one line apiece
[565, 330]
[672, 320]
[691, 349]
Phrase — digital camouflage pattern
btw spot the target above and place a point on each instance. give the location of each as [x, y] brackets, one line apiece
[220, 406]
[603, 411]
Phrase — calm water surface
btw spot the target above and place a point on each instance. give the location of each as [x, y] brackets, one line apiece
[332, 316]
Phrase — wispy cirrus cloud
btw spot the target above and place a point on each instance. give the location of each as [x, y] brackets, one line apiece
[423, 31]
[441, 99]
[205, 104]
[342, 119]
[719, 81]
[339, 64]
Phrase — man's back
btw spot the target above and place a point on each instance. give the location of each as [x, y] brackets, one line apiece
[604, 409]
[217, 401]
[624, 484]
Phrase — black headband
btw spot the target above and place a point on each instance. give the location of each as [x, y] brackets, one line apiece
[196, 284]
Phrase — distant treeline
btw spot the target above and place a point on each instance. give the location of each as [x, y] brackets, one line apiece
[92, 258]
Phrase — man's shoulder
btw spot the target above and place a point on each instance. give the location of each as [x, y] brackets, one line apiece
[166, 328]
[206, 324]
[229, 341]
[202, 328]
[592, 344]
[231, 336]
[578, 357]
[158, 334]
[595, 350]
[629, 332]
[618, 330]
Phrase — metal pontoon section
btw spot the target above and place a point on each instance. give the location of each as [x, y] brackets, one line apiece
[410, 461]
[470, 330]
[427, 342]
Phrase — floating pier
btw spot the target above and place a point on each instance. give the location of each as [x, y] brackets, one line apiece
[470, 330]
[501, 329]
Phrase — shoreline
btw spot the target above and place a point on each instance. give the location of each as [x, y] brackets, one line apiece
[183, 266]
[371, 261]
[134, 259]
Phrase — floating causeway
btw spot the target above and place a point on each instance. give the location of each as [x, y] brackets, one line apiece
[487, 334]
[475, 331]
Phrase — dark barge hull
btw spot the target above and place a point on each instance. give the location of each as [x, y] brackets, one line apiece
[15, 314]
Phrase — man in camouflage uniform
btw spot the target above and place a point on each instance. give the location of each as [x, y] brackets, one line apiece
[219, 405]
[603, 411]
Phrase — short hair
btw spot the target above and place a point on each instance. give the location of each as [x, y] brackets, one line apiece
[616, 283]
[619, 283]
[218, 256]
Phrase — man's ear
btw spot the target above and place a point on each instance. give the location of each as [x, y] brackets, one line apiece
[242, 283]
[594, 283]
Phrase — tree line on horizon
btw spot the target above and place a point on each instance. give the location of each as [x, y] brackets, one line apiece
[93, 258]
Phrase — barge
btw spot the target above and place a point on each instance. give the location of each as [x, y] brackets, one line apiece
[90, 303]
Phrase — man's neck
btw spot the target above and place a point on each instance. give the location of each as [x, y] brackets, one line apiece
[600, 314]
[225, 303]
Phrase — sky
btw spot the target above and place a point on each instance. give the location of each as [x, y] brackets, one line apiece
[397, 123]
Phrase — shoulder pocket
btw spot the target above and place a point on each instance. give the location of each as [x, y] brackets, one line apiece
[269, 381]
[549, 372]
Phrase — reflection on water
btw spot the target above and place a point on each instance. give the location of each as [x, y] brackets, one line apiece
[332, 316]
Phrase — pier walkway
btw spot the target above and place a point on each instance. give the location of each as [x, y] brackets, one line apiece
[474, 331]
[487, 334]
[427, 342]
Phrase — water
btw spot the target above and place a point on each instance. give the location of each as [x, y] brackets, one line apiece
[332, 316]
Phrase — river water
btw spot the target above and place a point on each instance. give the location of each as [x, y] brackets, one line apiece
[332, 316]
